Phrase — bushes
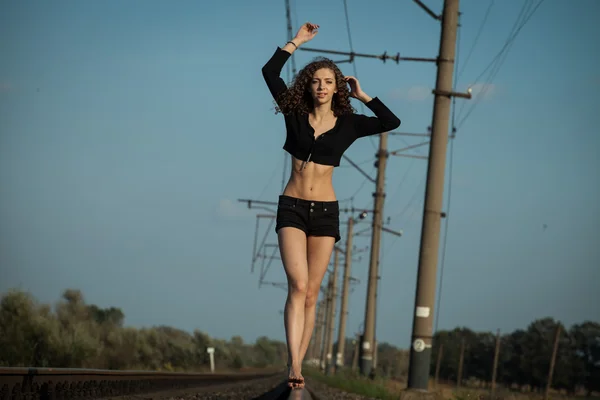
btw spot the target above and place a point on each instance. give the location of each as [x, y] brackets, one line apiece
[74, 334]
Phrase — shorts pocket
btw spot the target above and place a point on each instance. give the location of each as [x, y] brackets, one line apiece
[331, 211]
[284, 205]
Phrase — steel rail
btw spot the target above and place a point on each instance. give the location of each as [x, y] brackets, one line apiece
[69, 383]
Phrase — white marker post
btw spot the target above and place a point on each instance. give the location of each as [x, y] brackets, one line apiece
[211, 352]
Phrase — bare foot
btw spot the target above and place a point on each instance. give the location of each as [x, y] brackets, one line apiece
[295, 378]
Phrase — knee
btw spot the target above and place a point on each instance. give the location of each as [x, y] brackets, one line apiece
[298, 287]
[312, 294]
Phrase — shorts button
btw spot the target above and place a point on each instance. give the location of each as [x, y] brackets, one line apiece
[312, 204]
[311, 210]
[325, 209]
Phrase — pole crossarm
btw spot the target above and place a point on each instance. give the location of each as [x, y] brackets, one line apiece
[448, 93]
[383, 57]
[428, 10]
[409, 134]
[412, 156]
[281, 285]
[388, 230]
[395, 152]
[249, 201]
[265, 216]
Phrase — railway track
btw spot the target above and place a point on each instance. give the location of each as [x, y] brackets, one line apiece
[66, 383]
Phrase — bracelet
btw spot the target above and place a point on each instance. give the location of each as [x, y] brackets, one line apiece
[292, 43]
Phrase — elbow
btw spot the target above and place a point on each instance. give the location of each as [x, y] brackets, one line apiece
[265, 70]
[394, 123]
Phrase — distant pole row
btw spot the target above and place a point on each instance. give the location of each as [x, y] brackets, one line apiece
[461, 359]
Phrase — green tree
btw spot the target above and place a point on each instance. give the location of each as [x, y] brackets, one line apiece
[585, 342]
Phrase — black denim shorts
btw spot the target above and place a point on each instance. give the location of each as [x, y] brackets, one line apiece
[315, 218]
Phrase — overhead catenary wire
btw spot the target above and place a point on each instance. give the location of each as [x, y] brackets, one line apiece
[370, 160]
[270, 181]
[499, 58]
[501, 55]
[477, 36]
[400, 215]
[412, 162]
[362, 107]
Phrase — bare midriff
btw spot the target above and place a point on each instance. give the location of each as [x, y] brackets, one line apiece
[314, 182]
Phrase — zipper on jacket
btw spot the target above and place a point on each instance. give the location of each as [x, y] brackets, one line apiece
[312, 147]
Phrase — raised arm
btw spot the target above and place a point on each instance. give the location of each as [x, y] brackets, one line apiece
[271, 71]
[383, 121]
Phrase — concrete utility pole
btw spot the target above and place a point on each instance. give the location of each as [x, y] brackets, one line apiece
[422, 332]
[345, 286]
[290, 33]
[461, 361]
[356, 352]
[495, 365]
[315, 341]
[331, 323]
[437, 365]
[327, 320]
[320, 325]
[368, 344]
[552, 362]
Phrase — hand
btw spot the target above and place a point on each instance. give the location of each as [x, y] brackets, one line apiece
[306, 32]
[355, 90]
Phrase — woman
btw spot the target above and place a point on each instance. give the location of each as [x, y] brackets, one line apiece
[321, 125]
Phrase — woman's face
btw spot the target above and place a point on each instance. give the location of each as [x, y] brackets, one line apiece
[323, 86]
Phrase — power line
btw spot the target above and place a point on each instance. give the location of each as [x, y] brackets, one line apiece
[270, 180]
[360, 187]
[487, 13]
[451, 158]
[370, 160]
[362, 106]
[500, 57]
[413, 198]
[507, 42]
[412, 162]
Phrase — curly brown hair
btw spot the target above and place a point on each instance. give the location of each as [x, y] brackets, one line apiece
[297, 99]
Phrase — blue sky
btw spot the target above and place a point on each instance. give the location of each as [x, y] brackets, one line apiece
[128, 130]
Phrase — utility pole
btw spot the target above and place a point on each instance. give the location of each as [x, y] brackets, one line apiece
[341, 347]
[327, 323]
[331, 323]
[290, 33]
[422, 331]
[356, 352]
[437, 365]
[315, 341]
[461, 361]
[368, 344]
[495, 365]
[552, 362]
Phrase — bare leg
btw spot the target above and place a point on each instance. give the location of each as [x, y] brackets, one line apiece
[319, 251]
[292, 247]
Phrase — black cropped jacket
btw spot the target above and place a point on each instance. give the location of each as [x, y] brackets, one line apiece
[326, 149]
